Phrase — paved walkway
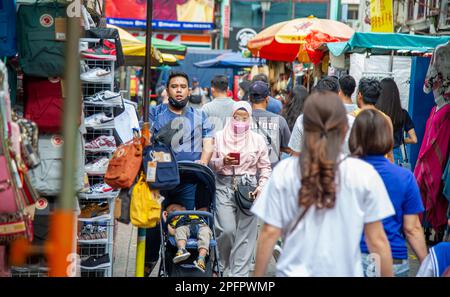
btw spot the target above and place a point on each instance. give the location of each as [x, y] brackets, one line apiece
[125, 254]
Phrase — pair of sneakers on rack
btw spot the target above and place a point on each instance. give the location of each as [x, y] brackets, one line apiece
[99, 121]
[96, 75]
[97, 167]
[103, 50]
[102, 143]
[92, 232]
[105, 98]
[98, 190]
[95, 262]
[95, 211]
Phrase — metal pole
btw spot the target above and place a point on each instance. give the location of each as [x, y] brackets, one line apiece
[263, 19]
[140, 250]
[391, 62]
[63, 220]
[140, 253]
[293, 10]
[148, 61]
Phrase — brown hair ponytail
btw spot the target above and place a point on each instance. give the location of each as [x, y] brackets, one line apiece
[325, 124]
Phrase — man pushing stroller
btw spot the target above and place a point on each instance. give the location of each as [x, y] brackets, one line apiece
[182, 227]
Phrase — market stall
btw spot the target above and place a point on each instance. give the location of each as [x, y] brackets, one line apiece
[38, 80]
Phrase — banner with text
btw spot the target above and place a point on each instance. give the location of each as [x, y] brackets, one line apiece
[381, 17]
[167, 14]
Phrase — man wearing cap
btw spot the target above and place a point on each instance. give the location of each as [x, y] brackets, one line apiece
[197, 98]
[274, 105]
[271, 126]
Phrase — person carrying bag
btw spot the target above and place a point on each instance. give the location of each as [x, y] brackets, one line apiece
[242, 166]
[159, 163]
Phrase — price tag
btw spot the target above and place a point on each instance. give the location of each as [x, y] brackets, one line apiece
[167, 157]
[60, 29]
[151, 172]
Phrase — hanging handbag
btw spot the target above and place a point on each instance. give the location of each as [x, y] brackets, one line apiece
[145, 209]
[160, 165]
[14, 221]
[124, 165]
[242, 195]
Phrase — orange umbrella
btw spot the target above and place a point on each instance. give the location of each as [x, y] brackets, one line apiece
[288, 40]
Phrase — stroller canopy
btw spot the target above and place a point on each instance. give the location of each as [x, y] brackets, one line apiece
[201, 175]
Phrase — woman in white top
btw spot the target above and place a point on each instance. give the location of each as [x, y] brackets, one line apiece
[321, 202]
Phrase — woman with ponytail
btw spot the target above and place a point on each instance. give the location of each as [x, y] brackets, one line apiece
[240, 156]
[321, 202]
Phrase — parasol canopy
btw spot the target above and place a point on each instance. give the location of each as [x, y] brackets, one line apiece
[292, 39]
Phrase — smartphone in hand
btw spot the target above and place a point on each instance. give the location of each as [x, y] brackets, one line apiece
[236, 156]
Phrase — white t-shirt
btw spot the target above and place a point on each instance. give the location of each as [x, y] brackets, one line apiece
[296, 141]
[325, 242]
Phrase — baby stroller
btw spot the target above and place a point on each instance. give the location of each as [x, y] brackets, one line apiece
[191, 173]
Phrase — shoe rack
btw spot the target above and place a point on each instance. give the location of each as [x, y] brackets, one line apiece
[97, 247]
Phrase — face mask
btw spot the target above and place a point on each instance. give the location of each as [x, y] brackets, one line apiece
[240, 96]
[240, 127]
[178, 104]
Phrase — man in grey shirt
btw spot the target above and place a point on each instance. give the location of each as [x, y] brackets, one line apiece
[271, 126]
[327, 84]
[220, 109]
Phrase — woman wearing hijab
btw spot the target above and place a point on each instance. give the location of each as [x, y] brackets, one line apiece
[240, 155]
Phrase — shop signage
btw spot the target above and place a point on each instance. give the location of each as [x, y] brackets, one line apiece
[226, 19]
[239, 38]
[173, 14]
[381, 18]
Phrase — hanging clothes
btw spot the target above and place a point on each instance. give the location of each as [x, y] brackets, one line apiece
[430, 165]
[438, 75]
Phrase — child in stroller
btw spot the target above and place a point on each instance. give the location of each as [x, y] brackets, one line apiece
[188, 263]
[182, 227]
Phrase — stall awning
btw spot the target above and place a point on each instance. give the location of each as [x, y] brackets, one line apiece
[134, 50]
[229, 60]
[382, 43]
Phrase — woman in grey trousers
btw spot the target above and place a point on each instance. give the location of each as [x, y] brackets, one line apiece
[241, 156]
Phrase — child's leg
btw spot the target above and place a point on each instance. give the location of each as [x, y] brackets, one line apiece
[204, 237]
[181, 235]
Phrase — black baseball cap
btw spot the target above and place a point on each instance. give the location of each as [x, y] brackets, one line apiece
[258, 91]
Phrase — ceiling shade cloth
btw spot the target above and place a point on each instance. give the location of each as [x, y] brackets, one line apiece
[228, 60]
[383, 43]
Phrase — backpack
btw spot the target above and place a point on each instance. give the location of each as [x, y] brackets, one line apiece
[44, 103]
[124, 165]
[47, 177]
[40, 53]
[7, 28]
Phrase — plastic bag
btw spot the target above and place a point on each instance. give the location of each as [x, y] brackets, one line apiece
[145, 208]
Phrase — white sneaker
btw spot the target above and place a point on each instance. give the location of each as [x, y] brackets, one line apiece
[97, 75]
[97, 167]
[99, 121]
[105, 98]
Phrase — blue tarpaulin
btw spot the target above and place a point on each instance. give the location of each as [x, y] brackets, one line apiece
[229, 60]
[383, 43]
